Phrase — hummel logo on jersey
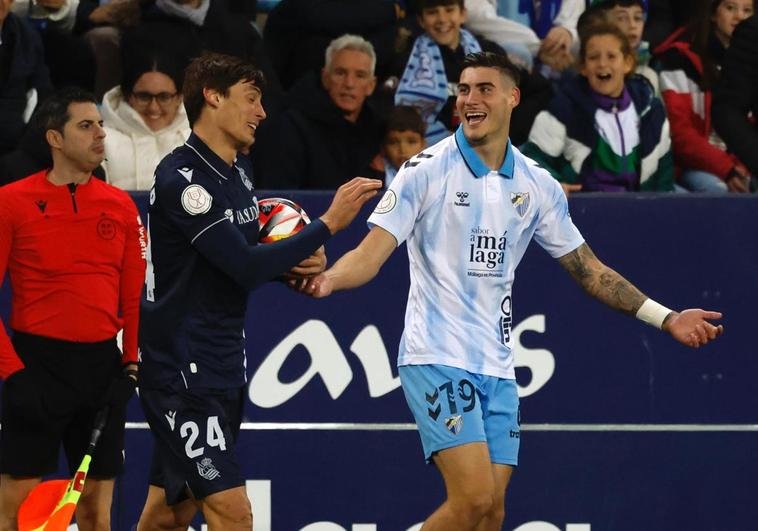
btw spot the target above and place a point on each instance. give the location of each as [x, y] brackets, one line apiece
[414, 162]
[186, 173]
[171, 418]
[462, 199]
[41, 205]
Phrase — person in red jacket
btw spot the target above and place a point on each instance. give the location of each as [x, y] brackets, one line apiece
[690, 60]
[74, 248]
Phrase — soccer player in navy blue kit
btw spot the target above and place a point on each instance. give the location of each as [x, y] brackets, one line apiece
[467, 208]
[202, 263]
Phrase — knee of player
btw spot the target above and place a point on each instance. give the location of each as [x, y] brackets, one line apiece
[476, 505]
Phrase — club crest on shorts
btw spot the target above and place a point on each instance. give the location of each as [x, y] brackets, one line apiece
[520, 201]
[206, 469]
[454, 424]
[196, 200]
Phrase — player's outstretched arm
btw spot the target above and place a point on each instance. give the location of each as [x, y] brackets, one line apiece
[603, 283]
[347, 202]
[356, 267]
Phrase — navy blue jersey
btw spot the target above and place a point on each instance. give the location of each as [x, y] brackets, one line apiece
[203, 259]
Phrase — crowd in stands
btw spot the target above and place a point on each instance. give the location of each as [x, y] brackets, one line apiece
[616, 95]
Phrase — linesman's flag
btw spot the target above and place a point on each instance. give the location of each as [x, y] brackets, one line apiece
[51, 504]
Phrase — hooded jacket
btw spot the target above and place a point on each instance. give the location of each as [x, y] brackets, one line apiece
[696, 146]
[132, 149]
[565, 140]
[312, 145]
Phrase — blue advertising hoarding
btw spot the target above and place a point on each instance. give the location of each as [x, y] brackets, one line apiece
[623, 429]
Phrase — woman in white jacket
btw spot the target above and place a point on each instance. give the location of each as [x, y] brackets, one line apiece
[144, 119]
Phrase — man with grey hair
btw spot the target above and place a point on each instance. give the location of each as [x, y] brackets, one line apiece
[328, 134]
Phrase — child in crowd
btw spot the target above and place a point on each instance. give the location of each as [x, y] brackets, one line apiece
[430, 77]
[605, 130]
[690, 61]
[629, 15]
[403, 138]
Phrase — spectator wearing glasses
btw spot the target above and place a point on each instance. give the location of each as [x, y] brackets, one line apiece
[144, 118]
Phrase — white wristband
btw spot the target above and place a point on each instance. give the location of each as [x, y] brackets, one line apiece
[653, 313]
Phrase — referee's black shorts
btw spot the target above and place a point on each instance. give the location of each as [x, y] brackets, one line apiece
[81, 374]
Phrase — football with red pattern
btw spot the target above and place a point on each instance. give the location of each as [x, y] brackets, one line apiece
[279, 218]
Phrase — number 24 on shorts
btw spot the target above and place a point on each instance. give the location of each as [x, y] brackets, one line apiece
[214, 436]
[466, 392]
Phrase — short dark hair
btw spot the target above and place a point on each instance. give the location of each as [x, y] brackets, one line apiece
[427, 4]
[405, 118]
[499, 61]
[53, 113]
[605, 28]
[610, 4]
[218, 72]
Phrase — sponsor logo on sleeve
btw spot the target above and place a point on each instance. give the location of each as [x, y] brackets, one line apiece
[186, 173]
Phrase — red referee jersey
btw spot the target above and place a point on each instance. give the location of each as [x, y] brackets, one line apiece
[76, 260]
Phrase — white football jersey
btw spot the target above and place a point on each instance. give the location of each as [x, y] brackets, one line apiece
[467, 228]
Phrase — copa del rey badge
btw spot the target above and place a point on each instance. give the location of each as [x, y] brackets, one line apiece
[196, 200]
[520, 201]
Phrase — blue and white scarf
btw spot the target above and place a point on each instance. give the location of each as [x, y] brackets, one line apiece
[424, 82]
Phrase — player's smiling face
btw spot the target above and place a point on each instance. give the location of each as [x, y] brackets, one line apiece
[443, 24]
[486, 98]
[605, 66]
[241, 113]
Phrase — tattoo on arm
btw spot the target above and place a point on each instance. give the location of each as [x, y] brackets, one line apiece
[602, 282]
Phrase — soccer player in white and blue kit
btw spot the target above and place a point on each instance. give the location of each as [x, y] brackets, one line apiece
[467, 208]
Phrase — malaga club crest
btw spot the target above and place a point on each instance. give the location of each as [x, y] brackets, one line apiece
[454, 424]
[520, 201]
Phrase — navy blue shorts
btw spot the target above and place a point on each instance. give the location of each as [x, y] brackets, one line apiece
[195, 433]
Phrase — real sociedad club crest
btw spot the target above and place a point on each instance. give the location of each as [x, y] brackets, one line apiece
[206, 469]
[454, 424]
[520, 202]
[245, 180]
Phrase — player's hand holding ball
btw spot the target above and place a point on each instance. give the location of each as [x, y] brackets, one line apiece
[280, 218]
[347, 202]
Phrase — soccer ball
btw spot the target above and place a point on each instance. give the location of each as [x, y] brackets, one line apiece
[279, 218]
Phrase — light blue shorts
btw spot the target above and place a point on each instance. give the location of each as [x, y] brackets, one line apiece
[454, 407]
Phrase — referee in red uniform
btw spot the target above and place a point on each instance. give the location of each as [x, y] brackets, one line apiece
[74, 249]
